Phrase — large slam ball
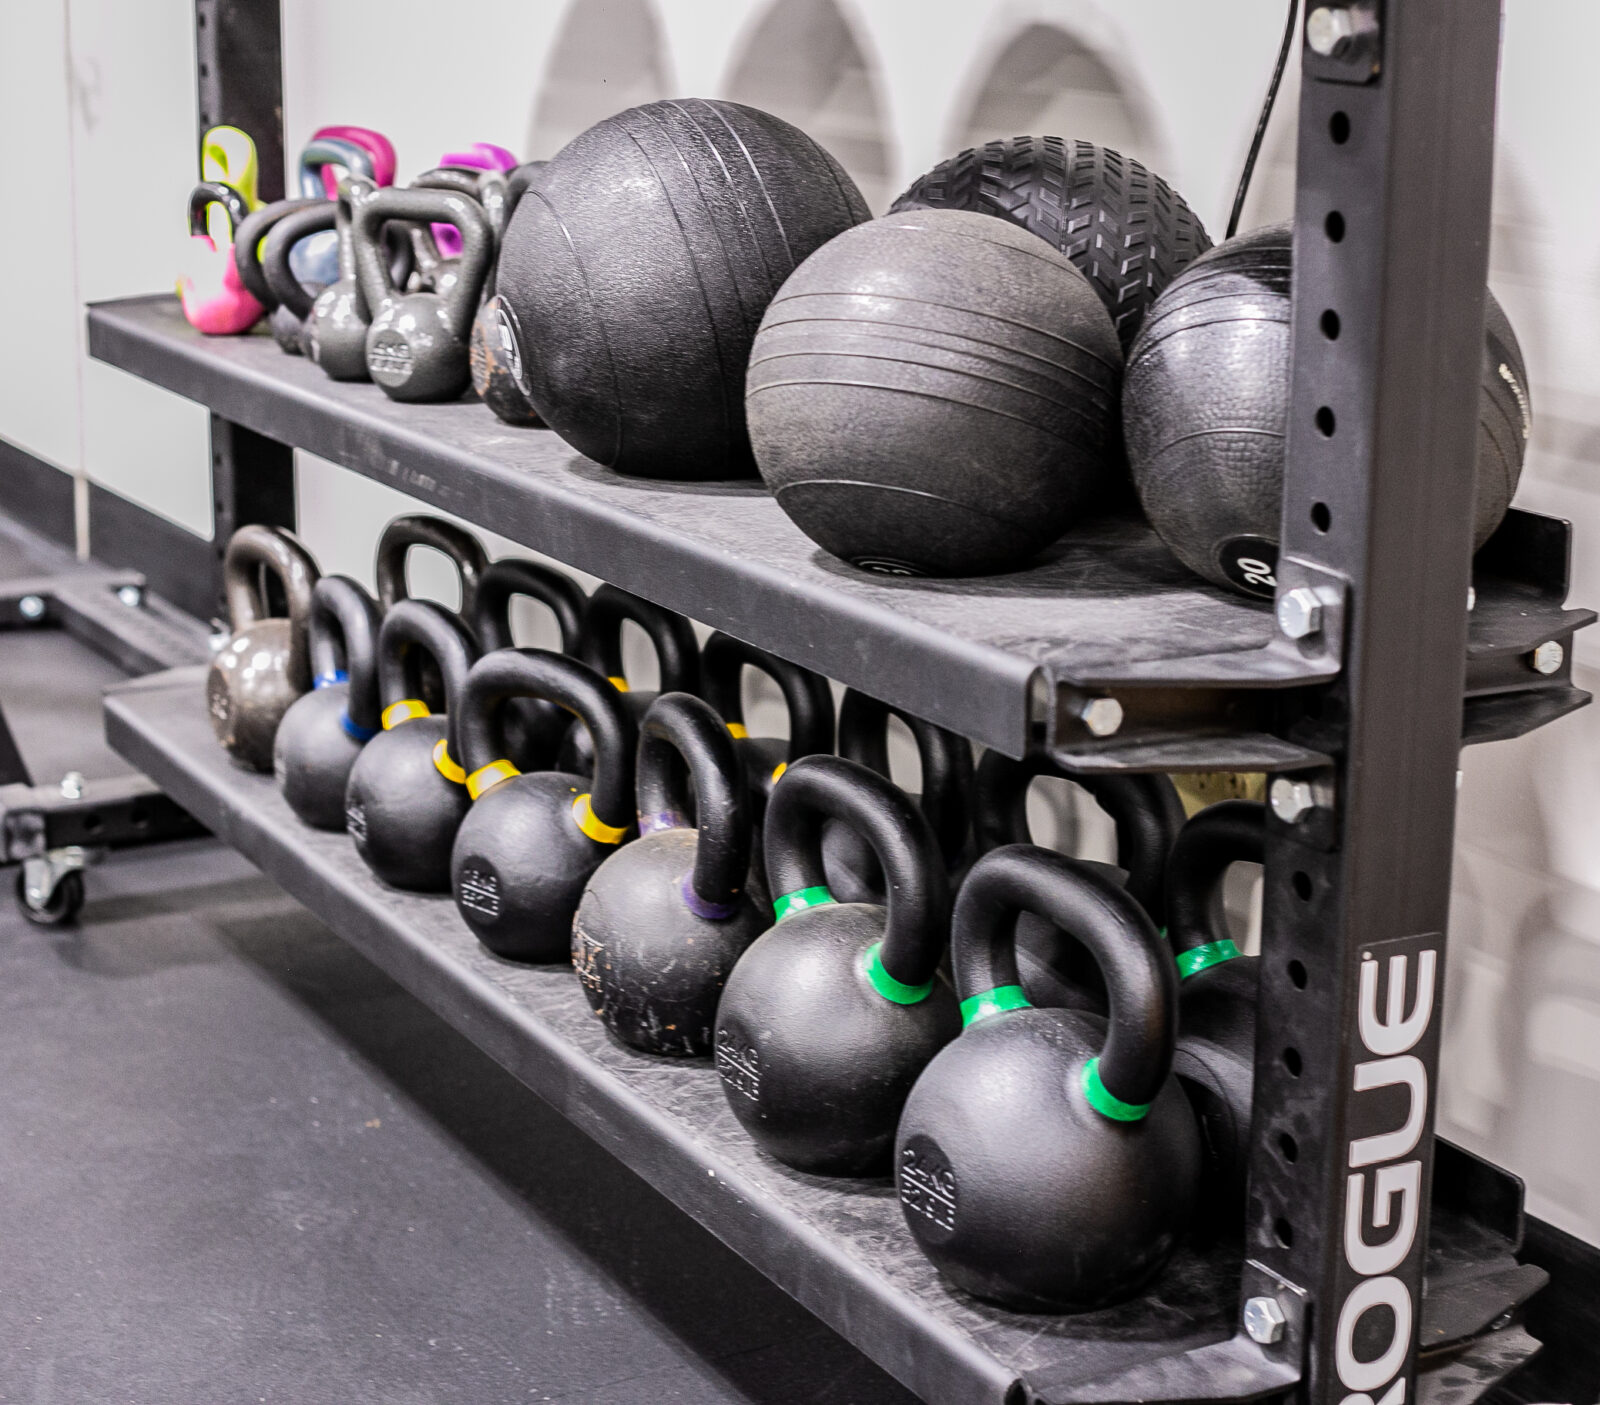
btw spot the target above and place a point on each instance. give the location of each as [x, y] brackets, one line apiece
[1123, 227]
[1206, 406]
[634, 275]
[935, 393]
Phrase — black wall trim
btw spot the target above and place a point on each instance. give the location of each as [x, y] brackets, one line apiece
[37, 494]
[178, 565]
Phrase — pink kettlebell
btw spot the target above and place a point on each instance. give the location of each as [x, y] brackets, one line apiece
[215, 301]
[381, 148]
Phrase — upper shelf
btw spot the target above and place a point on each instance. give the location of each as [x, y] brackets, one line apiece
[1106, 608]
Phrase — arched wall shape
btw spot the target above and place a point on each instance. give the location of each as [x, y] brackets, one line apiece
[804, 63]
[608, 56]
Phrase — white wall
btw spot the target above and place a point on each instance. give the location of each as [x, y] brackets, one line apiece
[97, 107]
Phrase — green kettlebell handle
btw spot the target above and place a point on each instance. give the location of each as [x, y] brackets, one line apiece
[677, 653]
[559, 593]
[683, 739]
[413, 625]
[806, 695]
[255, 548]
[344, 645]
[1141, 980]
[289, 291]
[425, 207]
[819, 788]
[419, 529]
[1230, 832]
[208, 193]
[247, 240]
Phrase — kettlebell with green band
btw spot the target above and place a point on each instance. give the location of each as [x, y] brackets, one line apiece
[1217, 986]
[830, 1016]
[531, 841]
[677, 660]
[407, 793]
[463, 550]
[663, 919]
[323, 733]
[1047, 1159]
[945, 801]
[534, 727]
[1147, 813]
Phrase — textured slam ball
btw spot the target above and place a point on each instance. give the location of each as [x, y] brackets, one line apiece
[1125, 228]
[1206, 404]
[935, 393]
[637, 267]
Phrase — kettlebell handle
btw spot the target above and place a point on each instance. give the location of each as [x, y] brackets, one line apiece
[1141, 980]
[288, 290]
[682, 738]
[409, 626]
[208, 193]
[538, 673]
[425, 207]
[251, 549]
[672, 636]
[806, 695]
[247, 242]
[331, 151]
[403, 533]
[344, 646]
[946, 763]
[487, 186]
[1232, 831]
[560, 594]
[819, 788]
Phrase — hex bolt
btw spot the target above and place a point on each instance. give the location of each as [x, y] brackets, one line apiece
[1299, 612]
[1102, 716]
[1292, 800]
[1548, 657]
[1329, 28]
[31, 607]
[130, 595]
[1264, 1321]
[72, 786]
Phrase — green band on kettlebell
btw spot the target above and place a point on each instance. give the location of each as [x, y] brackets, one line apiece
[1197, 959]
[888, 987]
[800, 900]
[993, 1002]
[1104, 1101]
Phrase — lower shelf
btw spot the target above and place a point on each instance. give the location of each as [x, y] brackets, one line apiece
[840, 1248]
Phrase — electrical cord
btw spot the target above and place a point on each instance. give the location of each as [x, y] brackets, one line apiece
[1266, 116]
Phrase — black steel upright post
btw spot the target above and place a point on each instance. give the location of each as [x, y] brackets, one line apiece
[1391, 255]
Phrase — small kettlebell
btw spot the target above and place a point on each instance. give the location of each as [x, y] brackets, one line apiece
[464, 551]
[324, 161]
[407, 792]
[498, 375]
[534, 727]
[830, 1016]
[945, 801]
[417, 342]
[531, 841]
[215, 300]
[295, 299]
[677, 660]
[248, 244]
[323, 732]
[1147, 814]
[336, 330]
[1047, 1159]
[664, 919]
[266, 663]
[1216, 984]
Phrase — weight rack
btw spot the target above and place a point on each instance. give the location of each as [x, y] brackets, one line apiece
[1356, 693]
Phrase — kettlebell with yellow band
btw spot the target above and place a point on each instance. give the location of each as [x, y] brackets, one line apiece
[531, 841]
[407, 793]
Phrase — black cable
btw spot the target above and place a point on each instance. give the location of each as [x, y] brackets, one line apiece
[1261, 126]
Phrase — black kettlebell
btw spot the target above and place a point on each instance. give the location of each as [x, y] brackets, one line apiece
[417, 342]
[266, 662]
[1217, 986]
[497, 373]
[531, 841]
[1126, 229]
[464, 551]
[439, 271]
[636, 268]
[249, 238]
[336, 330]
[1206, 404]
[407, 793]
[533, 727]
[323, 732]
[677, 661]
[664, 919]
[1047, 1159]
[294, 298]
[1147, 814]
[935, 393]
[946, 799]
[830, 1016]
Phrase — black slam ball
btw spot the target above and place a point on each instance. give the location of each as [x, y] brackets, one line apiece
[1123, 227]
[1205, 411]
[634, 274]
[935, 393]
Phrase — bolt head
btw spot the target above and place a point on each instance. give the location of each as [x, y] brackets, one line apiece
[72, 785]
[1264, 1321]
[130, 595]
[1548, 657]
[31, 607]
[1299, 612]
[1102, 716]
[1329, 28]
[1291, 800]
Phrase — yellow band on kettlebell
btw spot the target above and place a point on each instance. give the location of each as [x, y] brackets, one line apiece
[778, 770]
[445, 766]
[592, 825]
[738, 731]
[492, 774]
[404, 711]
[617, 681]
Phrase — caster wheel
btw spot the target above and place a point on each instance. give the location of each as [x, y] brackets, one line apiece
[63, 905]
